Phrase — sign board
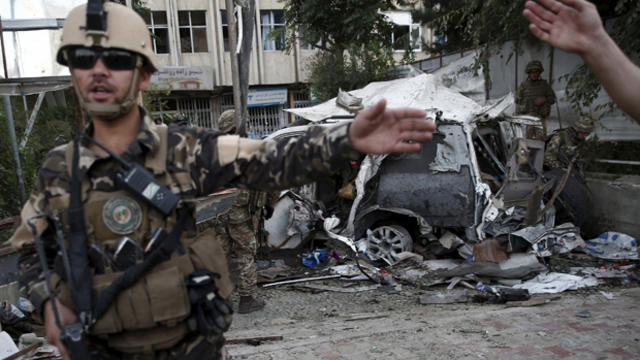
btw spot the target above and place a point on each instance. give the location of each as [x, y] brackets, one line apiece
[182, 78]
[266, 97]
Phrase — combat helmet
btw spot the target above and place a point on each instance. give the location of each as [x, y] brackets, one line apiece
[110, 26]
[534, 65]
[227, 121]
[584, 124]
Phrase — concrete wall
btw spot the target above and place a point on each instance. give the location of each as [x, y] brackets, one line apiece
[507, 72]
[616, 205]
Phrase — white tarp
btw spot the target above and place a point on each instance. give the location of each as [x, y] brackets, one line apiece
[553, 283]
[461, 76]
[423, 91]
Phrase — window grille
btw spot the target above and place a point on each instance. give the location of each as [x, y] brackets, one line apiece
[197, 111]
[264, 120]
[301, 99]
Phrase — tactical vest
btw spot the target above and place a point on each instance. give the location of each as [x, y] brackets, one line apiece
[531, 90]
[151, 315]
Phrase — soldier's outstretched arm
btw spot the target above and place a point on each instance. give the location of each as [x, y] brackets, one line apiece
[224, 161]
[575, 26]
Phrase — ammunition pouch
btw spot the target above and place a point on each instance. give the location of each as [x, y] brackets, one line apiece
[152, 314]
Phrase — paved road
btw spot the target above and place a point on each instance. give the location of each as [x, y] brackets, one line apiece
[332, 326]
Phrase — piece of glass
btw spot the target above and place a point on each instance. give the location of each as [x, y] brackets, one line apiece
[183, 18]
[185, 40]
[159, 17]
[199, 40]
[198, 18]
[162, 41]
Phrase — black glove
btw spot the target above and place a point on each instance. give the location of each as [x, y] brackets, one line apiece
[267, 211]
[208, 308]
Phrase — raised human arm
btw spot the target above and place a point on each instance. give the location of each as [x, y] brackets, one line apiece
[378, 130]
[222, 161]
[575, 26]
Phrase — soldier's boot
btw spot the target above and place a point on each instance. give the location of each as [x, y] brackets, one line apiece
[250, 304]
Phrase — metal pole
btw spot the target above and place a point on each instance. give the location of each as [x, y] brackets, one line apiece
[551, 82]
[14, 147]
[248, 20]
[4, 56]
[235, 73]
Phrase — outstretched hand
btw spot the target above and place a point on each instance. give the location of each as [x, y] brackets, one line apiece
[571, 25]
[378, 130]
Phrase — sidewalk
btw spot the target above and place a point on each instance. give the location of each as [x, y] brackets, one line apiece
[460, 331]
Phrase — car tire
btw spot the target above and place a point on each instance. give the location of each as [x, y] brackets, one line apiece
[387, 241]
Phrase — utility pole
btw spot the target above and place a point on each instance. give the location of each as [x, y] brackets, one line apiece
[14, 147]
[240, 41]
[235, 76]
[244, 58]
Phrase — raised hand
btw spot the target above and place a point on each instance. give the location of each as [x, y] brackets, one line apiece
[378, 130]
[571, 25]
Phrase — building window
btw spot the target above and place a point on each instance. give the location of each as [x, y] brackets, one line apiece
[157, 24]
[225, 29]
[272, 20]
[193, 31]
[407, 34]
[407, 37]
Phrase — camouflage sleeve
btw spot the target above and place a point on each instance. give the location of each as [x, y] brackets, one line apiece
[31, 277]
[219, 161]
[552, 151]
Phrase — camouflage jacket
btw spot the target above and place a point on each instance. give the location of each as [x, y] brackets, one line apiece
[528, 91]
[561, 148]
[198, 162]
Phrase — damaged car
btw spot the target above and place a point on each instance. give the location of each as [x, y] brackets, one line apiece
[479, 178]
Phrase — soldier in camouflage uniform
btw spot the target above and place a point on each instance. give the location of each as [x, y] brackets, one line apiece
[535, 97]
[152, 319]
[567, 143]
[238, 237]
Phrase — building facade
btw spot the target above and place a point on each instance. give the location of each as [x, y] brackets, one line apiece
[190, 38]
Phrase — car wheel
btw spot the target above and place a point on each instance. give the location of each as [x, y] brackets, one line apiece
[387, 241]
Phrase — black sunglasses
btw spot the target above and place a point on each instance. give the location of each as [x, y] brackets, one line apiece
[114, 59]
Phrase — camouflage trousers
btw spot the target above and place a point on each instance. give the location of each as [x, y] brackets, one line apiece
[237, 237]
[193, 347]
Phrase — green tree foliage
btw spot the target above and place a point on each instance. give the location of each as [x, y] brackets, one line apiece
[353, 36]
[53, 126]
[473, 23]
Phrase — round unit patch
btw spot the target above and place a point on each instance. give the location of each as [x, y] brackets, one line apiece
[122, 215]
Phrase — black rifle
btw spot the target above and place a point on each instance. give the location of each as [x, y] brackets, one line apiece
[72, 336]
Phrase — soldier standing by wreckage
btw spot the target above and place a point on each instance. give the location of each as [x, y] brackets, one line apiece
[238, 237]
[535, 97]
[566, 145]
[113, 211]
